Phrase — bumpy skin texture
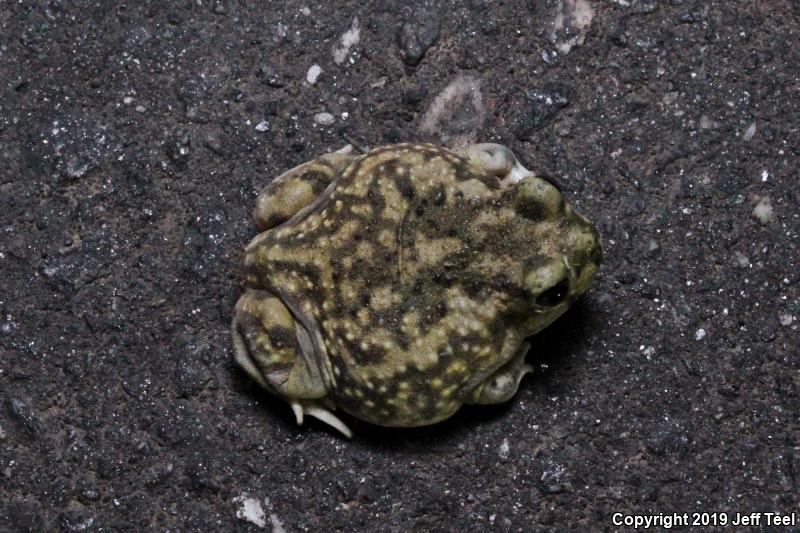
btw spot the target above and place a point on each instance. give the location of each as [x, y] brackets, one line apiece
[400, 284]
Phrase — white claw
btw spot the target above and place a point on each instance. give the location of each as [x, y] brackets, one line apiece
[321, 414]
[329, 418]
[298, 412]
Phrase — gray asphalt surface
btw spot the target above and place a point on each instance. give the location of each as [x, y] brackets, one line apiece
[135, 136]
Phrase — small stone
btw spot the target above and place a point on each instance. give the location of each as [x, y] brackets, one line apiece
[346, 41]
[178, 147]
[89, 494]
[458, 110]
[741, 259]
[379, 83]
[313, 74]
[504, 450]
[76, 520]
[219, 7]
[2, 433]
[707, 123]
[538, 108]
[214, 143]
[324, 119]
[270, 76]
[277, 523]
[419, 31]
[785, 320]
[263, 126]
[250, 510]
[555, 478]
[24, 415]
[197, 115]
[700, 334]
[690, 17]
[571, 22]
[128, 100]
[645, 6]
[750, 132]
[77, 168]
[281, 31]
[763, 211]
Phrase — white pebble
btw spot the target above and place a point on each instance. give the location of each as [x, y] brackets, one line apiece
[277, 524]
[763, 211]
[128, 100]
[504, 449]
[750, 132]
[313, 74]
[741, 259]
[348, 39]
[700, 334]
[250, 510]
[708, 123]
[262, 126]
[324, 119]
[786, 319]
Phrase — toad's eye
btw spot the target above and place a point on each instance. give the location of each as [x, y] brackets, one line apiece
[555, 295]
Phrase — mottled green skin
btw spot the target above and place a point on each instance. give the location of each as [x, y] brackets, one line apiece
[409, 281]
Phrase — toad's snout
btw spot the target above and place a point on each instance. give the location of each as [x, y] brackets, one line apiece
[582, 254]
[567, 275]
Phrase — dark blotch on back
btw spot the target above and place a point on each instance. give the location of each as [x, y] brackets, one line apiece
[404, 185]
[370, 356]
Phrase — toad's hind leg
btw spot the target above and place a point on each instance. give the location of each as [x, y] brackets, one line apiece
[278, 353]
[503, 384]
[297, 188]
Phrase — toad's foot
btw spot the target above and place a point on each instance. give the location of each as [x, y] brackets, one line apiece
[503, 384]
[294, 191]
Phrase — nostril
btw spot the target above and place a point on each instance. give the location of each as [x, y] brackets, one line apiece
[554, 295]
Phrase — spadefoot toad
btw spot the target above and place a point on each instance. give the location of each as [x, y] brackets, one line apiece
[400, 284]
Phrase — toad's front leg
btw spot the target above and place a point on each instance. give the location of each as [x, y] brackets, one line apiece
[503, 384]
